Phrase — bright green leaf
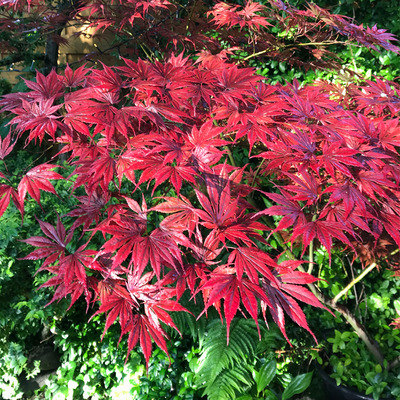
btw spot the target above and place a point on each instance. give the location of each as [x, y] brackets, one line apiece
[298, 385]
[265, 375]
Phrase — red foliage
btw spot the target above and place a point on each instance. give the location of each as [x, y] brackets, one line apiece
[166, 130]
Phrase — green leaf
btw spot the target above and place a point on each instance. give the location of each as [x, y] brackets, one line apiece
[222, 370]
[346, 335]
[298, 385]
[265, 375]
[269, 395]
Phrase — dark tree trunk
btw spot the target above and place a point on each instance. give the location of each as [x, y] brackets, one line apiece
[51, 54]
[64, 8]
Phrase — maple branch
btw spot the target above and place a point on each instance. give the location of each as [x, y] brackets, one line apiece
[230, 156]
[134, 36]
[259, 53]
[394, 363]
[354, 281]
[310, 257]
[317, 43]
[358, 278]
[150, 57]
[190, 17]
[297, 349]
[256, 173]
[358, 328]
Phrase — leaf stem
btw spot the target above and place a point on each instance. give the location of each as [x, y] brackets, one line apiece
[257, 171]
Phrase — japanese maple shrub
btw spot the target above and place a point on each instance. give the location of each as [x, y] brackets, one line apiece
[150, 145]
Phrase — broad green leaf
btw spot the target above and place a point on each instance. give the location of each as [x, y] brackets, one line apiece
[298, 385]
[265, 375]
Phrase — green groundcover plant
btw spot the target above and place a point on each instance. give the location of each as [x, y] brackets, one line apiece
[192, 174]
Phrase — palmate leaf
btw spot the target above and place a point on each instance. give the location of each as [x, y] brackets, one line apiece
[6, 146]
[73, 78]
[37, 179]
[350, 196]
[184, 216]
[75, 289]
[38, 117]
[153, 166]
[253, 262]
[227, 15]
[126, 229]
[291, 210]
[158, 248]
[306, 189]
[224, 284]
[324, 231]
[72, 268]
[50, 247]
[46, 87]
[282, 297]
[239, 285]
[5, 193]
[89, 209]
[336, 158]
[224, 214]
[141, 308]
[279, 304]
[70, 276]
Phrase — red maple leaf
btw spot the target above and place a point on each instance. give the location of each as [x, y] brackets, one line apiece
[292, 212]
[37, 179]
[5, 192]
[224, 284]
[38, 117]
[324, 231]
[6, 146]
[51, 247]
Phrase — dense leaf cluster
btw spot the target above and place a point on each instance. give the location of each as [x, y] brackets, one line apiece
[150, 148]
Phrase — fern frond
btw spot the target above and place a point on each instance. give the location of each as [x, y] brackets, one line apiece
[224, 370]
[187, 324]
[228, 383]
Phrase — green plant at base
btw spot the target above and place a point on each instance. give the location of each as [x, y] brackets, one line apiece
[238, 370]
[222, 369]
[374, 302]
